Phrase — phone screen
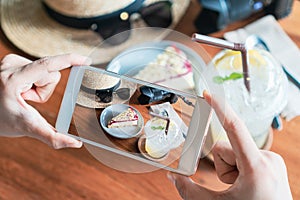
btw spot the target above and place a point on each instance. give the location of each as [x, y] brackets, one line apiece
[131, 119]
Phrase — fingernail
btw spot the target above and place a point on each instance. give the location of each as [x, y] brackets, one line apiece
[207, 96]
[77, 144]
[205, 93]
[88, 61]
[171, 177]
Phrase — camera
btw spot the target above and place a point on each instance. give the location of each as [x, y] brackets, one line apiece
[217, 14]
[150, 95]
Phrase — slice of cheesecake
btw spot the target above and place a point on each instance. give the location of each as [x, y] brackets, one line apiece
[171, 68]
[127, 118]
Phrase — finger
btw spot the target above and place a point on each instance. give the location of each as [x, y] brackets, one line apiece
[225, 162]
[188, 189]
[37, 127]
[13, 61]
[43, 88]
[60, 140]
[10, 64]
[241, 141]
[54, 139]
[33, 72]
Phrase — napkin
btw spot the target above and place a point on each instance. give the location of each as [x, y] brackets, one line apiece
[167, 107]
[282, 48]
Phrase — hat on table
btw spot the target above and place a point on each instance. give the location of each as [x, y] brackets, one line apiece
[28, 25]
[95, 85]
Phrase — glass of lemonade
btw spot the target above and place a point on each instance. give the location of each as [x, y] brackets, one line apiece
[158, 143]
[267, 96]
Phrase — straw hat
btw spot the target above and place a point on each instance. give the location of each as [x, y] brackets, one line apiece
[28, 26]
[93, 81]
[97, 81]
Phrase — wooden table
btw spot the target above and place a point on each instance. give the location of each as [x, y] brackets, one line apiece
[30, 169]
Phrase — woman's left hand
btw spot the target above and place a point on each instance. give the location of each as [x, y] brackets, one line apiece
[21, 80]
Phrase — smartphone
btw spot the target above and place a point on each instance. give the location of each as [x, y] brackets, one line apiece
[132, 125]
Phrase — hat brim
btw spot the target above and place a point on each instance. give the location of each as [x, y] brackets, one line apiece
[28, 27]
[90, 100]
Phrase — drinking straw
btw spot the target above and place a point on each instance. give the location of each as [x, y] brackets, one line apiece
[228, 45]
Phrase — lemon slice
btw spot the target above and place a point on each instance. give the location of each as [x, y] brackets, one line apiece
[256, 59]
[226, 60]
[233, 60]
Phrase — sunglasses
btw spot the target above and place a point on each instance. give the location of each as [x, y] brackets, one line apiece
[107, 96]
[109, 27]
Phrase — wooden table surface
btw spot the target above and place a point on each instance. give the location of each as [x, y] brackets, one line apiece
[30, 169]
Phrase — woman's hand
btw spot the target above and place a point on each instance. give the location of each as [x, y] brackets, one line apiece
[254, 174]
[22, 79]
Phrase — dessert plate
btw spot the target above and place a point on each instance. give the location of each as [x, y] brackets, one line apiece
[123, 132]
[131, 61]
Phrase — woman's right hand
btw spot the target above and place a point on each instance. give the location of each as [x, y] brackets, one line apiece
[254, 174]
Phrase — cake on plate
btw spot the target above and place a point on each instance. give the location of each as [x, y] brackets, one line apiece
[170, 68]
[127, 118]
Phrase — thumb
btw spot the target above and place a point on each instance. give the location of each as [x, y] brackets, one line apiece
[188, 189]
[37, 127]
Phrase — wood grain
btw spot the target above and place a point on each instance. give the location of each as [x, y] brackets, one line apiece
[30, 169]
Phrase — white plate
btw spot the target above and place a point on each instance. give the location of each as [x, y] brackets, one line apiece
[122, 132]
[134, 59]
[142, 149]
